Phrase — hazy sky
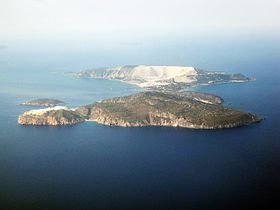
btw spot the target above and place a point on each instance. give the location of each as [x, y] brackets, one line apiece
[28, 19]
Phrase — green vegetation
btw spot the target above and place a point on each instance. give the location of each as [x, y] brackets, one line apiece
[43, 102]
[169, 109]
[180, 109]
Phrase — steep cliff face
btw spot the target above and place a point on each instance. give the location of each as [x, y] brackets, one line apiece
[51, 117]
[166, 109]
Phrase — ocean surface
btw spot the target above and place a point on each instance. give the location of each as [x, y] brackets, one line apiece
[94, 166]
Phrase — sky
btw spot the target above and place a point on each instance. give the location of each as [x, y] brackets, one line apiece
[94, 19]
[119, 32]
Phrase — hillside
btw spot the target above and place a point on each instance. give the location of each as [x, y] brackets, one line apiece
[164, 78]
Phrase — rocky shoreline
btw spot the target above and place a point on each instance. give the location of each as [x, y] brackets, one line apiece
[181, 109]
[51, 116]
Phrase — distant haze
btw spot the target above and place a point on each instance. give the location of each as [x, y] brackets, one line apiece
[95, 19]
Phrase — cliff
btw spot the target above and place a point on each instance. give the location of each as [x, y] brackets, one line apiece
[50, 116]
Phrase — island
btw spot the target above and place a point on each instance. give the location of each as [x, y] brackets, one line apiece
[161, 78]
[152, 108]
[43, 102]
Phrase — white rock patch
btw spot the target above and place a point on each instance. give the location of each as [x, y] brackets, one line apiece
[147, 76]
[43, 111]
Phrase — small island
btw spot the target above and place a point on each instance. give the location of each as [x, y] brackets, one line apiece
[180, 109]
[43, 102]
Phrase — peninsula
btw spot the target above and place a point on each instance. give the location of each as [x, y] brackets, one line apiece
[58, 115]
[181, 109]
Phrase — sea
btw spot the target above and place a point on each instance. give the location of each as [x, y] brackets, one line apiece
[92, 166]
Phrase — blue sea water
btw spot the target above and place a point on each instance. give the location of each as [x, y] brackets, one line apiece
[94, 166]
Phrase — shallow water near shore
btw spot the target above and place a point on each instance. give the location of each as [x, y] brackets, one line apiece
[90, 165]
